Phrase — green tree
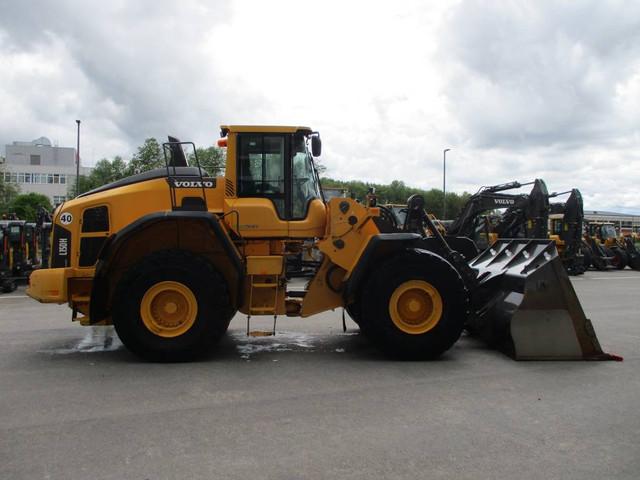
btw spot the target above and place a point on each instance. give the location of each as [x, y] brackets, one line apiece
[118, 168]
[397, 192]
[8, 192]
[26, 205]
[105, 171]
[86, 183]
[148, 157]
[212, 159]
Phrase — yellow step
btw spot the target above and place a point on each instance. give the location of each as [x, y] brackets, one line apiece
[263, 309]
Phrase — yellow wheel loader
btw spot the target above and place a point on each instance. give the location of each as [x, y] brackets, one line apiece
[170, 255]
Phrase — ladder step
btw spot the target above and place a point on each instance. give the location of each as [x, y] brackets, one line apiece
[261, 333]
[264, 285]
[263, 309]
[296, 293]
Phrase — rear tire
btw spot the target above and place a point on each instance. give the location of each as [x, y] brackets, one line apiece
[414, 306]
[171, 306]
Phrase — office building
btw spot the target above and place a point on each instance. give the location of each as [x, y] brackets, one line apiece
[40, 167]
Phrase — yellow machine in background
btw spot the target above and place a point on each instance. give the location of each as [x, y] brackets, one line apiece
[169, 256]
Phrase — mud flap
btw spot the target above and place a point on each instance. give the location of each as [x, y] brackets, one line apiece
[524, 304]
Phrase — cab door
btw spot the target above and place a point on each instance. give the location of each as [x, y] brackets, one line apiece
[260, 206]
[278, 195]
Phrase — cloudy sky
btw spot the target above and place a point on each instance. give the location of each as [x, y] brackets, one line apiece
[517, 90]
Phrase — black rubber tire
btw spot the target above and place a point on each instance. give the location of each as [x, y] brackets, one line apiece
[9, 286]
[205, 282]
[620, 258]
[353, 312]
[599, 262]
[586, 255]
[376, 294]
[634, 261]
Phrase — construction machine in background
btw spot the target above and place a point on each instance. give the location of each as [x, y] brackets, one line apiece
[566, 226]
[42, 233]
[7, 282]
[170, 255]
[524, 216]
[604, 247]
[609, 249]
[19, 252]
[633, 254]
[24, 247]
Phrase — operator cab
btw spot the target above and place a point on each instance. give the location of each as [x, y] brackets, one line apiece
[277, 184]
[603, 231]
[278, 167]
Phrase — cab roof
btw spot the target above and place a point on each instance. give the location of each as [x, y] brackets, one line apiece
[225, 129]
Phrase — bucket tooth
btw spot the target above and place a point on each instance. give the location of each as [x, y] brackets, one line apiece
[524, 304]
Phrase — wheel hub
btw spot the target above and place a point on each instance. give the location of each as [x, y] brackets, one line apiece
[415, 307]
[168, 309]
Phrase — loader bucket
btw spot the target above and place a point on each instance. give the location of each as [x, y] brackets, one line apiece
[525, 305]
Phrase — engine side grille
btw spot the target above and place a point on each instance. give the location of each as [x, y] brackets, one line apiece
[95, 220]
[89, 249]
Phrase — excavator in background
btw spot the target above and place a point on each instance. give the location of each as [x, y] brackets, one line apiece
[566, 226]
[525, 215]
[170, 255]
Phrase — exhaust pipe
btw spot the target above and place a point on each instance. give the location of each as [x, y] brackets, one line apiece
[524, 304]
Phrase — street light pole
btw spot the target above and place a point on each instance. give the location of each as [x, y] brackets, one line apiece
[444, 183]
[78, 160]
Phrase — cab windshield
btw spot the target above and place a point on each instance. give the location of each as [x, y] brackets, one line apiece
[608, 231]
[305, 186]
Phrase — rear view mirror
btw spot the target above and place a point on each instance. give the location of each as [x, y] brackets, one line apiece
[316, 145]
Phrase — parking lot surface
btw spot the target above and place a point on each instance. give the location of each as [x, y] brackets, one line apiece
[314, 402]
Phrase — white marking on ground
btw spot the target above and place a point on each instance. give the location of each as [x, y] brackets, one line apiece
[613, 278]
[97, 339]
[3, 297]
[281, 342]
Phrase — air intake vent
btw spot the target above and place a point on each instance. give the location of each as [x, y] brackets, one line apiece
[95, 220]
[228, 188]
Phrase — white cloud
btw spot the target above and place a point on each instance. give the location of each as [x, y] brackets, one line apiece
[518, 90]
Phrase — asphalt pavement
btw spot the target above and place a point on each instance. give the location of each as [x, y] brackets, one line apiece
[314, 402]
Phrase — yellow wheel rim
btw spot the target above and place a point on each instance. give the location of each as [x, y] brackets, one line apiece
[169, 309]
[415, 307]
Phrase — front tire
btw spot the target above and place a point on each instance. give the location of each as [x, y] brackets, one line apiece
[171, 306]
[620, 258]
[9, 286]
[415, 305]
